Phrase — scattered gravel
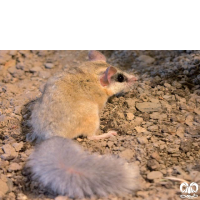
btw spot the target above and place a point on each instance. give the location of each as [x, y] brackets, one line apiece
[158, 122]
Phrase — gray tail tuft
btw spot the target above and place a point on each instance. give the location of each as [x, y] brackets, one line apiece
[64, 168]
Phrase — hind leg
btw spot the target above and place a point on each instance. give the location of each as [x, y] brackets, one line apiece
[93, 130]
[103, 136]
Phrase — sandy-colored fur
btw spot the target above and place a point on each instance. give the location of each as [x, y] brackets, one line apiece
[71, 103]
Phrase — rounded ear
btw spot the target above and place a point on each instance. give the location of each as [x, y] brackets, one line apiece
[106, 77]
[96, 55]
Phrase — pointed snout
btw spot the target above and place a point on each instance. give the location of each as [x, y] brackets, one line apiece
[133, 79]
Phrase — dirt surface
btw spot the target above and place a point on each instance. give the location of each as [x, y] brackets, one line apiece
[158, 122]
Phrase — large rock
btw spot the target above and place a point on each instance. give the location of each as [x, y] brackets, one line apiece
[140, 129]
[35, 69]
[3, 188]
[142, 140]
[14, 167]
[146, 59]
[131, 102]
[152, 128]
[18, 146]
[4, 56]
[189, 120]
[13, 52]
[49, 65]
[137, 121]
[157, 115]
[154, 175]
[44, 74]
[148, 106]
[127, 154]
[130, 116]
[9, 152]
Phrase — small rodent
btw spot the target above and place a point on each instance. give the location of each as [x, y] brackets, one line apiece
[69, 107]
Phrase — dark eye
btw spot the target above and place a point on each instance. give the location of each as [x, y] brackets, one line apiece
[120, 78]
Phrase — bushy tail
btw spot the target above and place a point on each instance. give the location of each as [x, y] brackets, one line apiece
[64, 168]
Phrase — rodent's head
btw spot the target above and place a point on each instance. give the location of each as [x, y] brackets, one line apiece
[113, 79]
[116, 80]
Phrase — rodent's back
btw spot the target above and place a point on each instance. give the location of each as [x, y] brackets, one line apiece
[67, 98]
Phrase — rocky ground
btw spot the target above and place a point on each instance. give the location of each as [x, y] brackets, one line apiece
[158, 122]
